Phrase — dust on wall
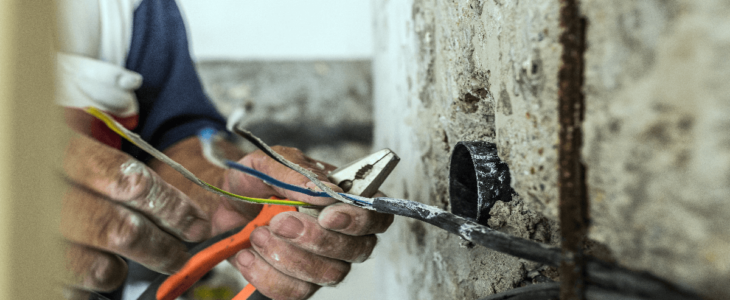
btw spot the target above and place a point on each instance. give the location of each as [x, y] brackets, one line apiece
[657, 134]
[447, 71]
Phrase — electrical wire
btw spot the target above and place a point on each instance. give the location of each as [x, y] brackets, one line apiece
[208, 136]
[142, 144]
[599, 273]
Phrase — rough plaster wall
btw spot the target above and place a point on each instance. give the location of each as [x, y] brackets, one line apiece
[447, 71]
[658, 136]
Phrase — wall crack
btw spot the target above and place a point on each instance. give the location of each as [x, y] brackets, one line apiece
[573, 198]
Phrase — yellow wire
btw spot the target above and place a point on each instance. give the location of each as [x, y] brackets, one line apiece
[108, 121]
[114, 127]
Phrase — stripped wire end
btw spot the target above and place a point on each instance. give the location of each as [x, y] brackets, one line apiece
[359, 200]
[235, 118]
[208, 137]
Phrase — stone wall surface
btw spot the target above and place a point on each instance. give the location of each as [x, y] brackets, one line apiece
[657, 135]
[449, 71]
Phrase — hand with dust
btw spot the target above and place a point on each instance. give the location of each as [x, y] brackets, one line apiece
[118, 206]
[297, 253]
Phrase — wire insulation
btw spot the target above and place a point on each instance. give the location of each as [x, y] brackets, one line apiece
[142, 144]
[207, 137]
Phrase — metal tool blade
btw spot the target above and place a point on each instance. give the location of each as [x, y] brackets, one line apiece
[363, 177]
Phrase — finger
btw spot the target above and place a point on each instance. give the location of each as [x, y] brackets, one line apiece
[304, 232]
[261, 162]
[296, 262]
[94, 222]
[268, 280]
[350, 220]
[127, 181]
[232, 214]
[93, 269]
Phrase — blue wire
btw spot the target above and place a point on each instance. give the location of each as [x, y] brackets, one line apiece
[206, 136]
[272, 181]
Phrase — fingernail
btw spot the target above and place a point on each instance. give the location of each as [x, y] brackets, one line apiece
[245, 258]
[290, 228]
[337, 221]
[260, 237]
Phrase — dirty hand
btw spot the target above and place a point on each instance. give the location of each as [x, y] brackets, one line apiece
[117, 206]
[296, 254]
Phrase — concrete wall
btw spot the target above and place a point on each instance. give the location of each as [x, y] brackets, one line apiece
[656, 128]
[658, 136]
[447, 71]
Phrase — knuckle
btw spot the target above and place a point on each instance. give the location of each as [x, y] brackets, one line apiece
[292, 176]
[107, 273]
[94, 269]
[133, 182]
[126, 232]
[170, 204]
[318, 242]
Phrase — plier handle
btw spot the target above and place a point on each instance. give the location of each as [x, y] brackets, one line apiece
[362, 177]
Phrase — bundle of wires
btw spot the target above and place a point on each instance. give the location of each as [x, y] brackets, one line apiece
[611, 278]
[142, 144]
[209, 136]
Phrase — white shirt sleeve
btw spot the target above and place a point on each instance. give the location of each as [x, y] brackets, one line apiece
[95, 36]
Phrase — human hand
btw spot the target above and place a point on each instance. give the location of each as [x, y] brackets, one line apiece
[116, 206]
[297, 253]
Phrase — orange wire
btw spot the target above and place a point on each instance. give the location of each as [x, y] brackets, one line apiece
[245, 293]
[205, 260]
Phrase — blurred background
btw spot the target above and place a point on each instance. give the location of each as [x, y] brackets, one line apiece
[302, 72]
[300, 69]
